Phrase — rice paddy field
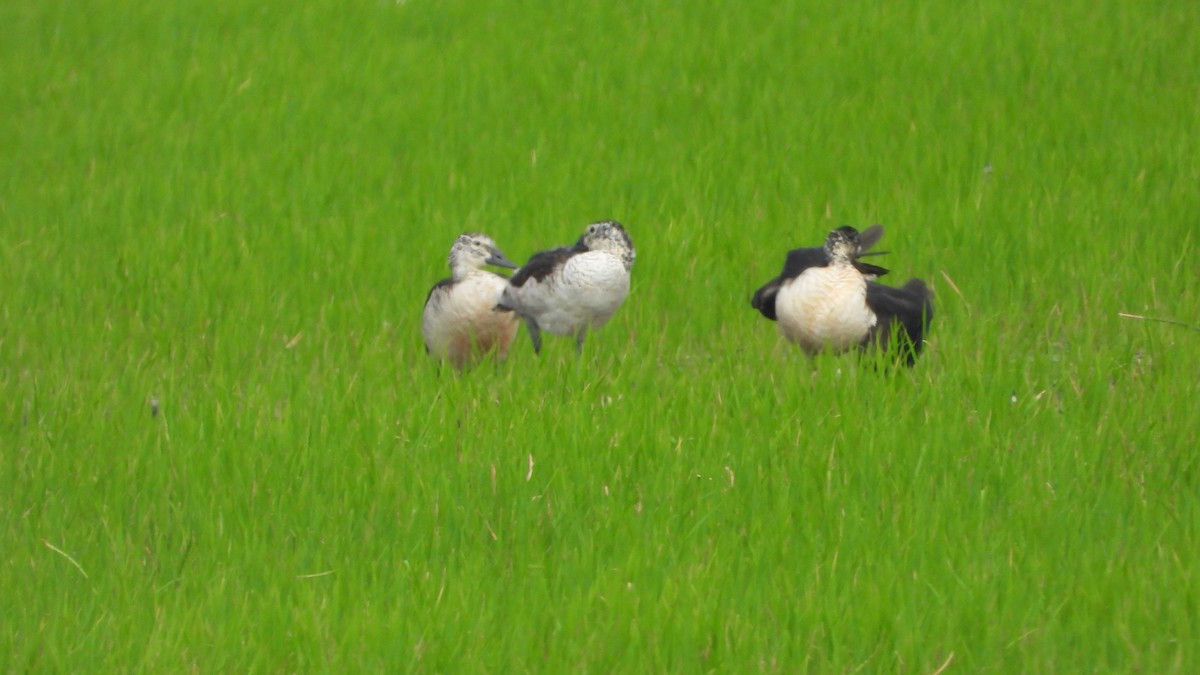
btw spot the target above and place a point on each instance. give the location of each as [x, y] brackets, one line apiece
[224, 449]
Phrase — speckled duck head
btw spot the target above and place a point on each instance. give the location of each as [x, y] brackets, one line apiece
[841, 244]
[609, 236]
[471, 251]
[847, 243]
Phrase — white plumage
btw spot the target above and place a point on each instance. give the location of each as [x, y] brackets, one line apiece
[459, 323]
[586, 292]
[825, 308]
[566, 291]
[827, 299]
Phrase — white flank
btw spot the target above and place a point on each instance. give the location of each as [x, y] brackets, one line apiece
[825, 308]
[585, 292]
[460, 320]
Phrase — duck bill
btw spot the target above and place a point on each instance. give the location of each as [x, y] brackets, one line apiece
[499, 260]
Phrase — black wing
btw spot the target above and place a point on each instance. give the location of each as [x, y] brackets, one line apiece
[800, 259]
[764, 298]
[870, 271]
[441, 284]
[908, 310]
[543, 263]
[797, 261]
[868, 238]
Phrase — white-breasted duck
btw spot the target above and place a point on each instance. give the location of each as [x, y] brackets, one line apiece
[459, 324]
[567, 290]
[826, 299]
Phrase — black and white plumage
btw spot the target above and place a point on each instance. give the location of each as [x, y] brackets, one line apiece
[826, 299]
[567, 290]
[459, 324]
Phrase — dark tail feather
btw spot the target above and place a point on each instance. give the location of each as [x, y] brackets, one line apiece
[921, 293]
[764, 299]
[904, 316]
[868, 238]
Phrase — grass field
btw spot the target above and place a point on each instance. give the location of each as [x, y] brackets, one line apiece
[223, 449]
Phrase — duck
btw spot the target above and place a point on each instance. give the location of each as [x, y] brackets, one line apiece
[827, 299]
[458, 323]
[570, 290]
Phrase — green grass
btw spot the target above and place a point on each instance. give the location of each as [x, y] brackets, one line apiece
[233, 211]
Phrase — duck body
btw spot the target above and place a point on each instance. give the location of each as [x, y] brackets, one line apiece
[827, 300]
[825, 308]
[458, 323]
[580, 289]
[571, 289]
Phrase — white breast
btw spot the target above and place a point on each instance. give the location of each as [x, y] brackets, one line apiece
[460, 321]
[585, 292]
[825, 308]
